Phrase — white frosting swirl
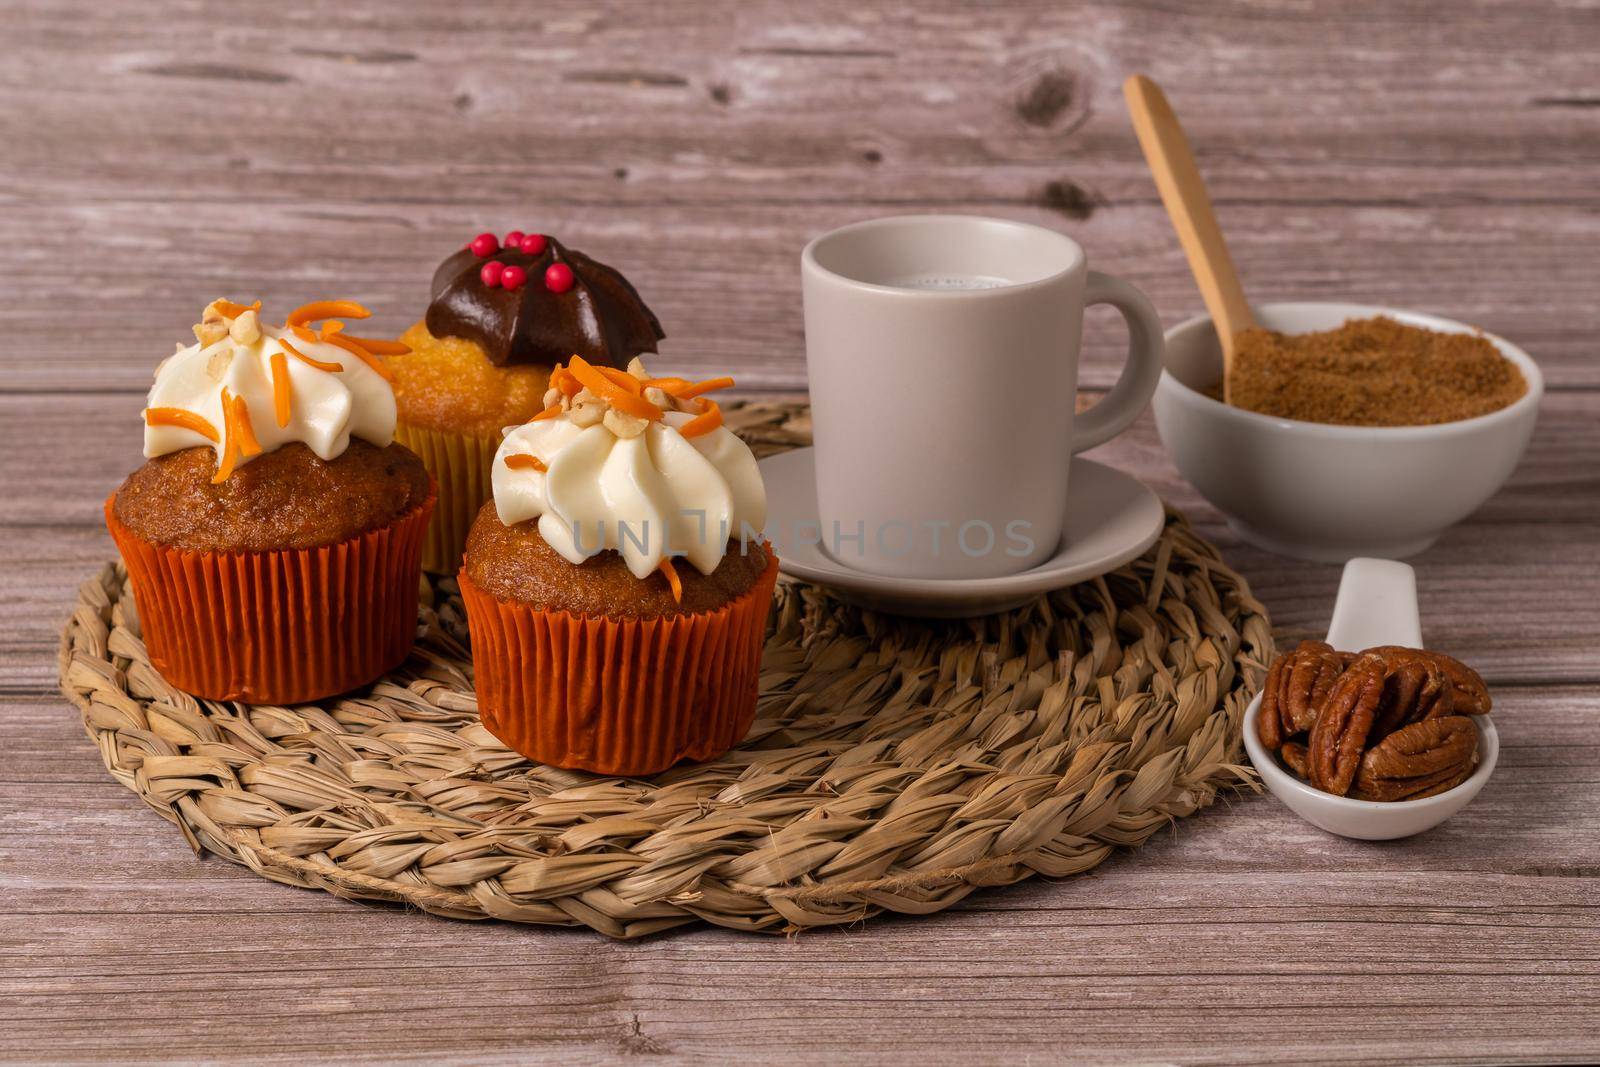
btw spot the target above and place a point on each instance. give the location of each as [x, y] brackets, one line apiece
[650, 496]
[326, 407]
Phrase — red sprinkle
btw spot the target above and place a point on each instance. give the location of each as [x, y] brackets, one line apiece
[485, 244]
[514, 239]
[558, 277]
[533, 244]
[493, 273]
[513, 277]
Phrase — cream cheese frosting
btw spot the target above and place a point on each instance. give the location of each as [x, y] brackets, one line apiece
[324, 406]
[650, 493]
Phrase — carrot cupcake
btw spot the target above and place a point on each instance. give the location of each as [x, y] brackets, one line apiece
[274, 535]
[503, 314]
[616, 585]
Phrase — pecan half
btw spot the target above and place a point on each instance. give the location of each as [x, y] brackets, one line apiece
[1296, 686]
[1469, 694]
[1340, 733]
[1419, 760]
[1415, 689]
[1293, 754]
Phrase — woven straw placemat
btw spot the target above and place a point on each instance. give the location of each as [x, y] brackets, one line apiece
[894, 765]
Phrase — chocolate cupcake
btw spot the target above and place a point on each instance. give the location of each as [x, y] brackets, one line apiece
[274, 535]
[617, 586]
[502, 315]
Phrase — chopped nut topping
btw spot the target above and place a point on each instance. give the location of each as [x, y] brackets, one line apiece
[213, 312]
[627, 405]
[624, 425]
[217, 365]
[660, 397]
[245, 329]
[590, 414]
[209, 333]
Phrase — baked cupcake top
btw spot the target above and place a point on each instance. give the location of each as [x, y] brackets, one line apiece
[531, 300]
[262, 438]
[246, 388]
[642, 466]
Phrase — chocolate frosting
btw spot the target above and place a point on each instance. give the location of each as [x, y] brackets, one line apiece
[601, 318]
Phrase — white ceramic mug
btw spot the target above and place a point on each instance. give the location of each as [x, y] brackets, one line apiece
[943, 358]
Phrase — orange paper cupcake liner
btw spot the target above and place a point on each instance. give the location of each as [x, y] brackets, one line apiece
[461, 464]
[618, 696]
[279, 627]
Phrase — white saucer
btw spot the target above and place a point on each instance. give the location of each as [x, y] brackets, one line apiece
[1111, 518]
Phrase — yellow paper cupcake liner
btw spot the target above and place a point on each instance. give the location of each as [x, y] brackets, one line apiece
[460, 463]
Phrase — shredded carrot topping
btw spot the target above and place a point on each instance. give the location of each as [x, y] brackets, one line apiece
[670, 386]
[380, 348]
[188, 420]
[622, 378]
[331, 326]
[248, 445]
[282, 398]
[525, 462]
[684, 389]
[563, 380]
[318, 310]
[239, 437]
[618, 396]
[548, 413]
[673, 580]
[707, 386]
[305, 333]
[230, 310]
[361, 353]
[709, 419]
[230, 444]
[331, 368]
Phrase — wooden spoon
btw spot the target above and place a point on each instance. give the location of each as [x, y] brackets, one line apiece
[1166, 149]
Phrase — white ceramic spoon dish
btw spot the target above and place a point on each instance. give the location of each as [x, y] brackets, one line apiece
[1111, 518]
[1377, 605]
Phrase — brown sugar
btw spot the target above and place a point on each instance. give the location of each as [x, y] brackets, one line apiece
[1373, 372]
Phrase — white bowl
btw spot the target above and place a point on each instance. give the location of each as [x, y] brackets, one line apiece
[1376, 605]
[1330, 493]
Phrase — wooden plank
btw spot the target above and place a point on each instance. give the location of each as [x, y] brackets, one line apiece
[702, 169]
[1511, 589]
[681, 102]
[725, 280]
[1245, 936]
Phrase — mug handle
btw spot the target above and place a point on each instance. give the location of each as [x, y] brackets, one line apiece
[1118, 408]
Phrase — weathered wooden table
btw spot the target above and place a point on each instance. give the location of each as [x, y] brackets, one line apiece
[1434, 155]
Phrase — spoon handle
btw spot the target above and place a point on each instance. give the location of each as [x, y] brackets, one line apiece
[1177, 177]
[1377, 605]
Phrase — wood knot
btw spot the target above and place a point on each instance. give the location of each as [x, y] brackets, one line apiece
[1052, 99]
[1068, 198]
[637, 1043]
